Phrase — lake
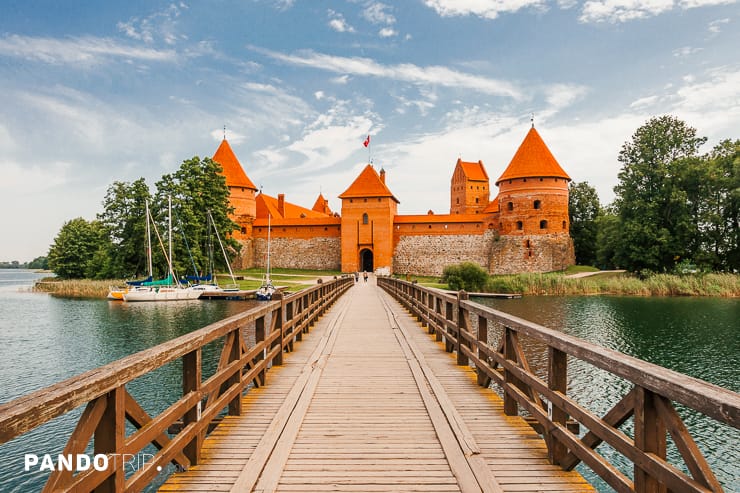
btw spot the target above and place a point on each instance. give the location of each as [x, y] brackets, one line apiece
[45, 339]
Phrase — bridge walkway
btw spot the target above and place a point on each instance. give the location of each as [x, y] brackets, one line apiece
[370, 402]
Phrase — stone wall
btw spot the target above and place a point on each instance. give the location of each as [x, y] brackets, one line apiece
[427, 255]
[321, 253]
[512, 254]
[245, 259]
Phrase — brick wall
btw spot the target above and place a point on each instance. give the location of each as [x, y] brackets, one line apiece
[427, 255]
[322, 253]
[531, 253]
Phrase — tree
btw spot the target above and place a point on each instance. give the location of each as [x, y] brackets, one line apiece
[39, 263]
[72, 254]
[608, 236]
[466, 275]
[655, 217]
[196, 188]
[584, 210]
[124, 217]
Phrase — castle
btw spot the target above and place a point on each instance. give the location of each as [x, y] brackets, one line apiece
[525, 228]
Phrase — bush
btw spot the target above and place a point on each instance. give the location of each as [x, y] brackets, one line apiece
[467, 275]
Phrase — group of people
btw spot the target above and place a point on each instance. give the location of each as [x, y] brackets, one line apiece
[364, 276]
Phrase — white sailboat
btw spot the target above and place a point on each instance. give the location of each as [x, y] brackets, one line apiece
[168, 289]
[266, 290]
[213, 286]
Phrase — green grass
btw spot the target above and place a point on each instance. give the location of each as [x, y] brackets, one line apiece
[577, 269]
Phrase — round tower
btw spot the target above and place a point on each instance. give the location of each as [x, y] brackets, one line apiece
[533, 192]
[532, 212]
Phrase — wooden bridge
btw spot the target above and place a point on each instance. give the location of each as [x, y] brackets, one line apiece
[359, 398]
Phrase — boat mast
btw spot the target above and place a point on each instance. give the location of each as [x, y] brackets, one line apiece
[268, 247]
[149, 242]
[218, 237]
[169, 222]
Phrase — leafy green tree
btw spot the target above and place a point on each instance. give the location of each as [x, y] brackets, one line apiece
[39, 263]
[584, 210]
[467, 275]
[196, 188]
[657, 228]
[74, 248]
[608, 236]
[124, 217]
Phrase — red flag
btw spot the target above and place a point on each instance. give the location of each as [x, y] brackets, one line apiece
[367, 141]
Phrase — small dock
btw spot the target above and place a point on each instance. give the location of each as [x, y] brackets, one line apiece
[370, 402]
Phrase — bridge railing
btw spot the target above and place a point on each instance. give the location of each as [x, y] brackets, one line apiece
[109, 406]
[464, 327]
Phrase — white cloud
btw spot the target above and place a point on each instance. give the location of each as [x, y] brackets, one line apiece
[387, 32]
[406, 72]
[644, 102]
[161, 25]
[80, 50]
[686, 51]
[376, 12]
[487, 9]
[319, 95]
[716, 26]
[342, 79]
[338, 23]
[560, 96]
[615, 11]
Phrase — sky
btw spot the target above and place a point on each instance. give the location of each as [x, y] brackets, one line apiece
[95, 92]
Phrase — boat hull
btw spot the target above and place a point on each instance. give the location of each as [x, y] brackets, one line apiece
[162, 294]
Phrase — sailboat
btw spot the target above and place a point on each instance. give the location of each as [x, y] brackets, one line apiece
[213, 286]
[266, 290]
[116, 293]
[168, 289]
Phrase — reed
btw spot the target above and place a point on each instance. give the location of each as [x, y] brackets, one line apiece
[715, 284]
[76, 288]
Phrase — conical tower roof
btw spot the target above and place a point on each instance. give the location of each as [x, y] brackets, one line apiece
[368, 184]
[533, 160]
[232, 168]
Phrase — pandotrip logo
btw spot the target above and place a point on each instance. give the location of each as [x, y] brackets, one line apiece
[83, 462]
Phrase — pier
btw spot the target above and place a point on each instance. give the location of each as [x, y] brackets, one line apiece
[379, 387]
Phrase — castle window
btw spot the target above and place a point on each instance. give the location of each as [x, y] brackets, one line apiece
[525, 180]
[537, 204]
[564, 224]
[527, 244]
[244, 230]
[430, 226]
[457, 200]
[326, 229]
[540, 179]
[364, 200]
[364, 218]
[476, 200]
[350, 201]
[543, 224]
[510, 206]
[378, 199]
[519, 225]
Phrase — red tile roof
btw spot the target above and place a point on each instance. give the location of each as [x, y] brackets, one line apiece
[533, 159]
[368, 184]
[491, 207]
[269, 205]
[474, 171]
[321, 205]
[437, 218]
[232, 169]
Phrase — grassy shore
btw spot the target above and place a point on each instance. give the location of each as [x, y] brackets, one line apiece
[249, 279]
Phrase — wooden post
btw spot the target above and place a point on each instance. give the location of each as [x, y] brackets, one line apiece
[110, 437]
[235, 406]
[511, 407]
[463, 326]
[438, 311]
[289, 316]
[483, 379]
[557, 380]
[449, 316]
[650, 437]
[277, 326]
[259, 338]
[191, 380]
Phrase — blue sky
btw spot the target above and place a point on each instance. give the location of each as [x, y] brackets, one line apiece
[94, 92]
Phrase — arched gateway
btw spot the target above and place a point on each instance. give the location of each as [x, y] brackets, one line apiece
[366, 260]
